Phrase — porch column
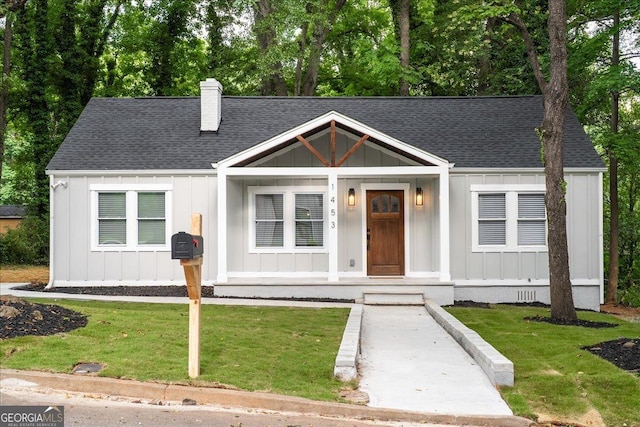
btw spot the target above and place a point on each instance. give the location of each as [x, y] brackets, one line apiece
[445, 274]
[332, 179]
[222, 225]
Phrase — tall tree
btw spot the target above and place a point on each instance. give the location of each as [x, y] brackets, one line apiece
[273, 82]
[167, 29]
[59, 59]
[323, 16]
[607, 85]
[8, 11]
[401, 11]
[555, 94]
[614, 222]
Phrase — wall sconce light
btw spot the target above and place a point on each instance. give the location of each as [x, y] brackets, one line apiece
[351, 200]
[419, 196]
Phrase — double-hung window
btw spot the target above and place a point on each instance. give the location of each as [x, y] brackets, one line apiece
[508, 218]
[287, 219]
[269, 223]
[130, 217]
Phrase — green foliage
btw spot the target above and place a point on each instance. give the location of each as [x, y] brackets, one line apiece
[18, 171]
[631, 295]
[66, 51]
[27, 244]
[595, 77]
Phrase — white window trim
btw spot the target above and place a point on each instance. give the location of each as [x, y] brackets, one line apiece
[289, 238]
[131, 191]
[511, 199]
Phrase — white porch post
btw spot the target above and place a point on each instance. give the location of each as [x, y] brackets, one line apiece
[445, 274]
[333, 223]
[222, 225]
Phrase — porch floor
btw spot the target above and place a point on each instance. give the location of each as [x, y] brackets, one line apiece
[368, 281]
[346, 288]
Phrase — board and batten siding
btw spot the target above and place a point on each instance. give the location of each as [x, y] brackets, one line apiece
[488, 275]
[75, 263]
[423, 238]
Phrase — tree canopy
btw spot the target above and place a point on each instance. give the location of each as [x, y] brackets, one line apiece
[59, 53]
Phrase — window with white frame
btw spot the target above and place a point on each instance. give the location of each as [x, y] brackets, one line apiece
[508, 218]
[290, 219]
[269, 220]
[130, 217]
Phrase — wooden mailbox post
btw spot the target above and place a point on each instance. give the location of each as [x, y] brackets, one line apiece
[193, 275]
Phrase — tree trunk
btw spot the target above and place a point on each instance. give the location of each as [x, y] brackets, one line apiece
[273, 83]
[614, 225]
[401, 10]
[4, 95]
[13, 6]
[320, 32]
[484, 61]
[556, 96]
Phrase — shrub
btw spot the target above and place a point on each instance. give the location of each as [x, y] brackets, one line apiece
[631, 296]
[27, 244]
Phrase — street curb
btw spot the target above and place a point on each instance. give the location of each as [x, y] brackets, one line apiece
[247, 400]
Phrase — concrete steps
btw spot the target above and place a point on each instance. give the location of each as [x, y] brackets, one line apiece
[393, 298]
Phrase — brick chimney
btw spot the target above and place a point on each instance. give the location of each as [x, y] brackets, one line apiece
[210, 105]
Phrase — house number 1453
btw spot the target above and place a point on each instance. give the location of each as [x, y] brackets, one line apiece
[332, 205]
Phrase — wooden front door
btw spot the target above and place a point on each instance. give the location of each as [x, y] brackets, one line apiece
[385, 233]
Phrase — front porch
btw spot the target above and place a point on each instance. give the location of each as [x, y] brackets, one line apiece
[346, 288]
[382, 209]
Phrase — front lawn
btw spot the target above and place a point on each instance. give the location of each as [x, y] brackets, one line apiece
[292, 351]
[282, 350]
[553, 374]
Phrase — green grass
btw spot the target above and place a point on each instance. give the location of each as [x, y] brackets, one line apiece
[282, 350]
[553, 375]
[292, 351]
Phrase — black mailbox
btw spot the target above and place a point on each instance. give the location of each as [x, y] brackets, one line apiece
[186, 246]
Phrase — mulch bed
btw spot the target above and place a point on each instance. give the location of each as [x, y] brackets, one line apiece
[20, 318]
[140, 291]
[623, 352]
[578, 322]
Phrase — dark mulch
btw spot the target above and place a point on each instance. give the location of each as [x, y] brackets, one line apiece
[154, 291]
[20, 318]
[471, 304]
[579, 322]
[141, 291]
[623, 352]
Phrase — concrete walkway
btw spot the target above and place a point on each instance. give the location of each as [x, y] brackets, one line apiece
[409, 362]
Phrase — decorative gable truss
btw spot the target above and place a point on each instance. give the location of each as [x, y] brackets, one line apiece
[254, 162]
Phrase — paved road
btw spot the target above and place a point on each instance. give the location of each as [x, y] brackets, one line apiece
[100, 412]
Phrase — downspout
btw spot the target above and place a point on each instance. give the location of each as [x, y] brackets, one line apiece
[52, 189]
[51, 229]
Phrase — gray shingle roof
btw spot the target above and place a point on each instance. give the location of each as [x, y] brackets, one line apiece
[164, 133]
[12, 211]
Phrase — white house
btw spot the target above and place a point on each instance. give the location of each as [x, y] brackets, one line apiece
[323, 197]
